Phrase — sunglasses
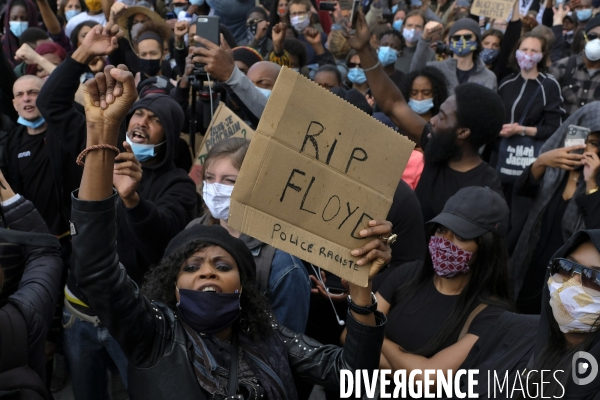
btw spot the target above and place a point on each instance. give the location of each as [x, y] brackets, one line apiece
[254, 21]
[456, 38]
[354, 65]
[562, 270]
[591, 36]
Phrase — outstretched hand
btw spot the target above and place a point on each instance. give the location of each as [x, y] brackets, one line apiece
[218, 60]
[360, 38]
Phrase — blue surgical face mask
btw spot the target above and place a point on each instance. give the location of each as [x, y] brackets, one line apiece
[71, 13]
[31, 124]
[357, 75]
[421, 106]
[387, 55]
[394, 9]
[463, 47]
[143, 152]
[584, 15]
[266, 92]
[488, 56]
[397, 25]
[17, 27]
[197, 2]
[209, 312]
[177, 10]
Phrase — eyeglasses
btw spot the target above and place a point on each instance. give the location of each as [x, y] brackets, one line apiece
[591, 36]
[298, 14]
[354, 65]
[456, 38]
[254, 21]
[565, 269]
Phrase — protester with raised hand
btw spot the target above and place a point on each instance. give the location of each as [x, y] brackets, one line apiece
[204, 268]
[465, 64]
[411, 30]
[467, 120]
[156, 199]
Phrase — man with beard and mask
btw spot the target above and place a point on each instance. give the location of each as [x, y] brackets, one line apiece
[569, 323]
[156, 200]
[300, 19]
[469, 119]
[563, 186]
[579, 75]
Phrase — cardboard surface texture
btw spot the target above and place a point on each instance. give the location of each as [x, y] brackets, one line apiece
[317, 170]
[497, 9]
[224, 125]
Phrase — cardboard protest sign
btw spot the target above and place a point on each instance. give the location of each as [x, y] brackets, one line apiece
[317, 170]
[497, 9]
[224, 125]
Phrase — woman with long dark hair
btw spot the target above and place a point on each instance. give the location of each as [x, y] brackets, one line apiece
[438, 309]
[198, 315]
[525, 345]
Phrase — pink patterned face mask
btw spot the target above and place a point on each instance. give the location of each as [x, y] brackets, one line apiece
[448, 259]
[526, 61]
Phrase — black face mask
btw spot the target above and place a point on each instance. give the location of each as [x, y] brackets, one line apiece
[149, 67]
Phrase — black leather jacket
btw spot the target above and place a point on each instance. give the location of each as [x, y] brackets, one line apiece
[155, 342]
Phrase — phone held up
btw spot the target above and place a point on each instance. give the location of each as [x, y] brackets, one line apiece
[207, 27]
[576, 135]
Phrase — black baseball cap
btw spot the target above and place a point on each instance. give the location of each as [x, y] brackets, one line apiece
[473, 211]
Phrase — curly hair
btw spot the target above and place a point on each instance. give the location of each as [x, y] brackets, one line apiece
[160, 283]
[158, 27]
[296, 48]
[438, 86]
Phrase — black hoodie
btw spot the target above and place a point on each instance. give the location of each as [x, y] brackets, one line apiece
[516, 341]
[167, 195]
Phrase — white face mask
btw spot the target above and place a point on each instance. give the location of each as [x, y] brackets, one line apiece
[300, 22]
[217, 198]
[592, 50]
[574, 309]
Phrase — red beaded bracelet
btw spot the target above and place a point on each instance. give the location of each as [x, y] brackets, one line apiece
[95, 147]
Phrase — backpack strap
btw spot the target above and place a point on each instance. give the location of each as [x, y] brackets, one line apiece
[263, 261]
[472, 316]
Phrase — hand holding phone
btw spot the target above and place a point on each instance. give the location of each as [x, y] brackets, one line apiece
[576, 135]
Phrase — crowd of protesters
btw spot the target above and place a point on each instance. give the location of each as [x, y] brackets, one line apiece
[120, 277]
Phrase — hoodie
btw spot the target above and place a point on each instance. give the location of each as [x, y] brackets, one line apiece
[167, 195]
[516, 341]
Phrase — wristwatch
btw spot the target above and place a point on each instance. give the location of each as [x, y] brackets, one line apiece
[363, 310]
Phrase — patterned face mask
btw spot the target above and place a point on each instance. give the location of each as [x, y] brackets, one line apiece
[573, 308]
[448, 259]
[528, 61]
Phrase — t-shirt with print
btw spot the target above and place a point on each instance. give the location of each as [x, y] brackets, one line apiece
[413, 325]
[439, 182]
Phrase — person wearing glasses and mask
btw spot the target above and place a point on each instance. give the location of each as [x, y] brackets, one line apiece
[569, 323]
[563, 187]
[579, 75]
[465, 65]
[300, 19]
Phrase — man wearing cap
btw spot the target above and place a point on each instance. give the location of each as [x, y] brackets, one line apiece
[579, 74]
[465, 64]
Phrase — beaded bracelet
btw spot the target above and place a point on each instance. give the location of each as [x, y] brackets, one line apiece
[95, 147]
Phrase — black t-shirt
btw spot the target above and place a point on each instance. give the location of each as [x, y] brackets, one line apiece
[417, 322]
[439, 182]
[463, 76]
[38, 184]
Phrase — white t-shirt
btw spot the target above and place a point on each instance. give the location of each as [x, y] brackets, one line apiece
[82, 17]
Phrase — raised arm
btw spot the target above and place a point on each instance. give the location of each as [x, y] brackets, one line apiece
[387, 95]
[49, 18]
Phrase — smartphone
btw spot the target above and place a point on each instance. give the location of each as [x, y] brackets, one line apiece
[576, 135]
[354, 15]
[326, 6]
[207, 27]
